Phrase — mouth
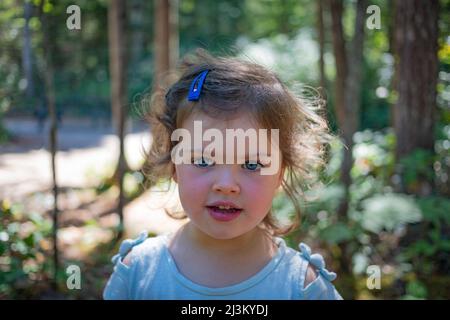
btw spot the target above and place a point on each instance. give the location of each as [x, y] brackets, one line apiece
[224, 211]
[224, 206]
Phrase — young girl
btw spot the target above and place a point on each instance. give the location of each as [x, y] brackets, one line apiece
[231, 246]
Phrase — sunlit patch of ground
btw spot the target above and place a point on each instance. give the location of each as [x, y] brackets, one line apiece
[87, 220]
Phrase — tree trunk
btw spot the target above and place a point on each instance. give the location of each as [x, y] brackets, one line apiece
[118, 69]
[321, 41]
[391, 50]
[50, 99]
[137, 16]
[166, 44]
[162, 32]
[347, 83]
[174, 34]
[26, 51]
[336, 9]
[166, 39]
[347, 106]
[284, 25]
[416, 45]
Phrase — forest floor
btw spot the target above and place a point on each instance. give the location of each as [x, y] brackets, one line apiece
[87, 153]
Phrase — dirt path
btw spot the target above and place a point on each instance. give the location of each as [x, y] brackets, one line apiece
[87, 153]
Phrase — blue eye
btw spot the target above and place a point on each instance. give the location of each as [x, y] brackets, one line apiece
[252, 166]
[202, 162]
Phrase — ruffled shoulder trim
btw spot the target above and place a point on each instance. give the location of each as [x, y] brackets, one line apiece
[127, 245]
[317, 261]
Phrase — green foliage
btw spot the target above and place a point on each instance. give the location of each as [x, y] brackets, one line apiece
[23, 251]
[267, 18]
[417, 165]
[4, 134]
[415, 290]
[282, 208]
[406, 232]
[435, 213]
[133, 183]
[337, 233]
[378, 70]
[435, 209]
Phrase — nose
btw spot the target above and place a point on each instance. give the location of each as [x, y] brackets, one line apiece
[225, 181]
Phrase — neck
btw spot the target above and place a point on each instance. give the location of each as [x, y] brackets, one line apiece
[250, 242]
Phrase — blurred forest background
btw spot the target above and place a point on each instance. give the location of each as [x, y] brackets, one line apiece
[72, 132]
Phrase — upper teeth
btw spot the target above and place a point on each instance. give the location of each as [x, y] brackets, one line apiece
[224, 207]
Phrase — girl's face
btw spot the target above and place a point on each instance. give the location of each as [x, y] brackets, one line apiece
[207, 188]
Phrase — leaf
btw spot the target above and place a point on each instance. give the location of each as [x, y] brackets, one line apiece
[336, 233]
[29, 240]
[435, 209]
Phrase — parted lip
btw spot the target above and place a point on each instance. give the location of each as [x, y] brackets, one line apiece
[224, 203]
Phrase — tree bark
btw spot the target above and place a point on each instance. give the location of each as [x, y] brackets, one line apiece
[26, 51]
[166, 39]
[347, 106]
[416, 45]
[118, 69]
[137, 16]
[336, 9]
[174, 34]
[321, 41]
[51, 105]
[347, 83]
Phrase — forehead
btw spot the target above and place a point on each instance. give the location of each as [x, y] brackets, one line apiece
[242, 120]
[239, 134]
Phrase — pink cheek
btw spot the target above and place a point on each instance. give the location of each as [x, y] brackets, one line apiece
[192, 185]
[260, 192]
[257, 193]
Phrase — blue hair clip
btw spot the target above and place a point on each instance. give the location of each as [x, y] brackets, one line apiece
[196, 86]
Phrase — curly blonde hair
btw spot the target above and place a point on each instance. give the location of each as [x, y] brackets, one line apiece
[231, 86]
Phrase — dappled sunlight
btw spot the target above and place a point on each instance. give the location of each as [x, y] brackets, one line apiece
[147, 212]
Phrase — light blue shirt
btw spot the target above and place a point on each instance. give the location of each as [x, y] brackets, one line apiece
[153, 275]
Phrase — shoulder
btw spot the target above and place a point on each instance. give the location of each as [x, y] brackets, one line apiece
[315, 279]
[139, 248]
[136, 257]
